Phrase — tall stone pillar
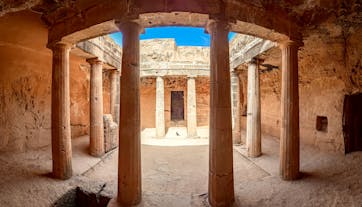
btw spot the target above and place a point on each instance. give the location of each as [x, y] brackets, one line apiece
[160, 107]
[115, 95]
[289, 138]
[191, 107]
[96, 135]
[244, 86]
[221, 182]
[235, 106]
[61, 136]
[253, 128]
[129, 160]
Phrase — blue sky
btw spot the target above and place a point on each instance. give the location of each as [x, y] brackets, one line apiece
[184, 36]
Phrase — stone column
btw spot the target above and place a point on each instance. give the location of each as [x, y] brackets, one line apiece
[129, 160]
[289, 138]
[115, 95]
[253, 128]
[61, 136]
[221, 182]
[191, 107]
[96, 135]
[160, 107]
[235, 103]
[244, 84]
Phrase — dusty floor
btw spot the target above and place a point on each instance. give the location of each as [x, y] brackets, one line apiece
[177, 176]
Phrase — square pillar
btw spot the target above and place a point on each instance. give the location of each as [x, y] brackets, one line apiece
[115, 89]
[160, 107]
[235, 106]
[191, 107]
[244, 92]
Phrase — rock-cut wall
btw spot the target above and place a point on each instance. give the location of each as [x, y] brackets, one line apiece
[163, 54]
[329, 68]
[25, 85]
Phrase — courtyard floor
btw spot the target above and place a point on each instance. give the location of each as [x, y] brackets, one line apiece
[176, 175]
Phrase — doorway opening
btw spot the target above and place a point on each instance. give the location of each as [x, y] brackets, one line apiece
[352, 122]
[177, 106]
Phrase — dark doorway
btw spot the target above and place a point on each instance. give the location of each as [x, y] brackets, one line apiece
[352, 123]
[177, 105]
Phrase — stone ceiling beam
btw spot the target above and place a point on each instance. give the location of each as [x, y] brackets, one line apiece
[250, 51]
[170, 72]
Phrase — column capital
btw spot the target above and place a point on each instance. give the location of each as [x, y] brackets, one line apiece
[115, 71]
[235, 71]
[65, 45]
[128, 25]
[93, 61]
[191, 76]
[290, 43]
[217, 24]
[255, 60]
[159, 77]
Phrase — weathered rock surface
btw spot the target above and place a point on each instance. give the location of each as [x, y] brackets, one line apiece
[330, 65]
[329, 69]
[110, 133]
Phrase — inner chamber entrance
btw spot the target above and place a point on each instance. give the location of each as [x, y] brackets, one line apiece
[177, 106]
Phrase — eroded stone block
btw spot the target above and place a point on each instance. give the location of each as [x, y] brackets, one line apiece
[110, 133]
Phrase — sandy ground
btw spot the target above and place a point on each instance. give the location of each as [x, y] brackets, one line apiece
[175, 136]
[177, 176]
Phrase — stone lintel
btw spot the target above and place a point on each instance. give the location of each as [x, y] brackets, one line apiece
[168, 72]
[251, 51]
[98, 48]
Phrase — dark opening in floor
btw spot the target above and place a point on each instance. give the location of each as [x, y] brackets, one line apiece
[78, 197]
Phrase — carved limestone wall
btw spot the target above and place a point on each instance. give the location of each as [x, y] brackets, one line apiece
[25, 85]
[104, 48]
[163, 57]
[329, 68]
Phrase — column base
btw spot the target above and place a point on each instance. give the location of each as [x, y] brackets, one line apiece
[114, 203]
[61, 177]
[221, 189]
[194, 137]
[97, 154]
[254, 156]
[236, 138]
[295, 176]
